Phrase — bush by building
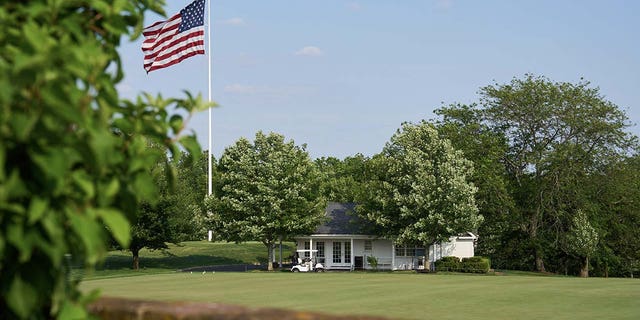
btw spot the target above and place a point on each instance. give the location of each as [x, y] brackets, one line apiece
[467, 265]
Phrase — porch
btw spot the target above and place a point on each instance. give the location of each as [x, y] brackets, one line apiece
[352, 252]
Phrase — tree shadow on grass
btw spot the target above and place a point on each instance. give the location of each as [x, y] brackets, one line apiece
[177, 258]
[262, 260]
[167, 262]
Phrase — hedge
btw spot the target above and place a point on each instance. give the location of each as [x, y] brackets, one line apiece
[475, 265]
[469, 265]
[448, 264]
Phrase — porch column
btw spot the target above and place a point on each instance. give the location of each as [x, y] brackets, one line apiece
[432, 253]
[351, 253]
[310, 247]
[280, 264]
[393, 255]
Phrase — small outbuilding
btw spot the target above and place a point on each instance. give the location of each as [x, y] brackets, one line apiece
[345, 242]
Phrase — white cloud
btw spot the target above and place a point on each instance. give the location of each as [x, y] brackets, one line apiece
[354, 6]
[268, 92]
[444, 4]
[309, 51]
[238, 22]
[241, 89]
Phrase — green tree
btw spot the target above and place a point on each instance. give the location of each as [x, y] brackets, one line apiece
[191, 189]
[152, 229]
[582, 240]
[421, 193]
[616, 189]
[73, 158]
[176, 216]
[556, 133]
[267, 190]
[343, 180]
[463, 126]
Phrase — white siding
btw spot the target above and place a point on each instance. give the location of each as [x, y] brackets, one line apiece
[461, 248]
[384, 251]
[358, 247]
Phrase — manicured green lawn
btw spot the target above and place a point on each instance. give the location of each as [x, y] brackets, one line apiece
[397, 295]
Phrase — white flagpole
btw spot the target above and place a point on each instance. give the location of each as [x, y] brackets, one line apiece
[209, 57]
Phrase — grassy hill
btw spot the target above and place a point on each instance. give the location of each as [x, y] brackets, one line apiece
[185, 255]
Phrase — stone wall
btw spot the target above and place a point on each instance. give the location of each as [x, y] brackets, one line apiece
[126, 309]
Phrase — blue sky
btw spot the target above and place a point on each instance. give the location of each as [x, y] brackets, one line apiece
[341, 76]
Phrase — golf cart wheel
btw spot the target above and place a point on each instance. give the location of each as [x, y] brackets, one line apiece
[319, 269]
[295, 270]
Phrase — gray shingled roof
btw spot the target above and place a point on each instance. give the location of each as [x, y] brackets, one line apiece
[342, 220]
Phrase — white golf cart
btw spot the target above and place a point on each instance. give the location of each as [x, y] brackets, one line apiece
[307, 264]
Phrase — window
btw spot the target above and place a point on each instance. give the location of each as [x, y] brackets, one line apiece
[307, 246]
[409, 251]
[368, 246]
[399, 251]
[347, 251]
[337, 252]
[320, 248]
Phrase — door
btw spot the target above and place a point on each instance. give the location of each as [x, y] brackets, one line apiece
[341, 255]
[320, 253]
[358, 262]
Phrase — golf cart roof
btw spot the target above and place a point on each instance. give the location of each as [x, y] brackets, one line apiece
[306, 250]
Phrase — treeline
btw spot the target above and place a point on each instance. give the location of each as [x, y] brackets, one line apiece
[546, 173]
[557, 177]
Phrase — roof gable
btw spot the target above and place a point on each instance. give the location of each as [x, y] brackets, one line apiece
[343, 220]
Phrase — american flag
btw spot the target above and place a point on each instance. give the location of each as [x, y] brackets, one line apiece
[171, 41]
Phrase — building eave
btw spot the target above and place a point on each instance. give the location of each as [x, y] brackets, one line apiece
[333, 236]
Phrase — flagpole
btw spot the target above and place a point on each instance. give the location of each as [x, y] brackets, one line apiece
[209, 57]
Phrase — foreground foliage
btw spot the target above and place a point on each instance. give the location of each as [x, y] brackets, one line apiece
[74, 162]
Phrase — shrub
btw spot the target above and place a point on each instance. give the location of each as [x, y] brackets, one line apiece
[469, 265]
[373, 262]
[448, 264]
[475, 265]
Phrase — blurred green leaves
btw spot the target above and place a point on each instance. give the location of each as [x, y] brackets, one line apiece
[75, 158]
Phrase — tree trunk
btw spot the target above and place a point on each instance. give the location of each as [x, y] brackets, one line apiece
[539, 256]
[584, 272]
[270, 256]
[136, 258]
[539, 261]
[533, 233]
